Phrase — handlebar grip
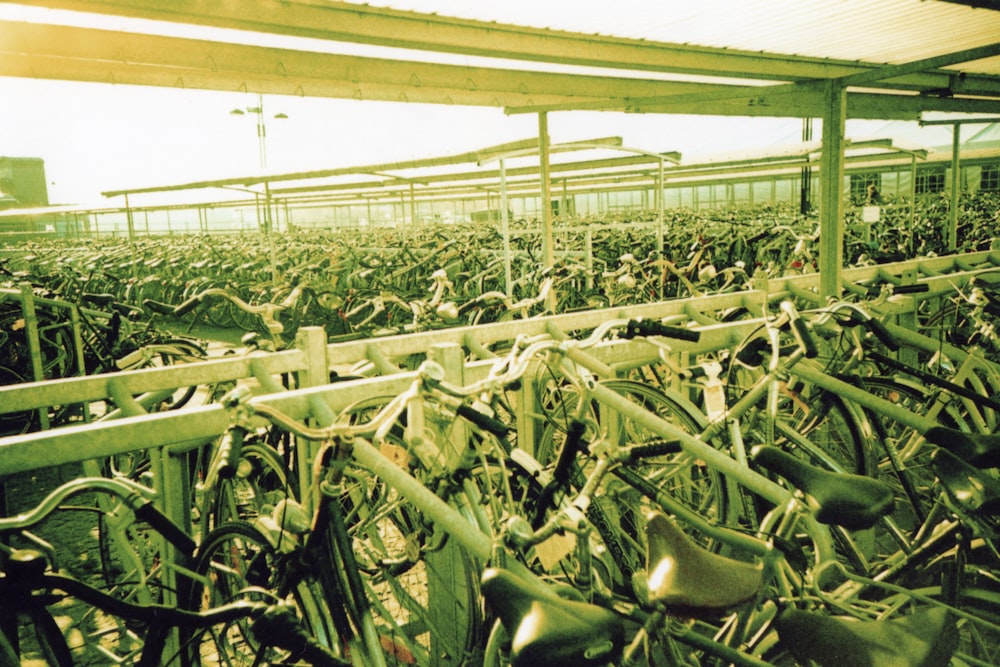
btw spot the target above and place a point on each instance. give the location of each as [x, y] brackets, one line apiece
[158, 307]
[483, 421]
[570, 448]
[658, 448]
[162, 524]
[878, 329]
[804, 336]
[641, 327]
[230, 451]
[912, 288]
[187, 306]
[800, 330]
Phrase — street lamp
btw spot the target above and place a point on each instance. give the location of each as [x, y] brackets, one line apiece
[262, 149]
[261, 127]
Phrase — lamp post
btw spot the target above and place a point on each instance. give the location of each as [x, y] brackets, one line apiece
[261, 127]
[262, 151]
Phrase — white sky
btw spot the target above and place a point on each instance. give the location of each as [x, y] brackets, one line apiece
[98, 137]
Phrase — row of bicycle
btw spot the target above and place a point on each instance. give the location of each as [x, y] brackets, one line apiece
[361, 284]
[822, 491]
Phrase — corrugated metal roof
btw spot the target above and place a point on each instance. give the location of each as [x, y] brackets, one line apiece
[641, 56]
[875, 31]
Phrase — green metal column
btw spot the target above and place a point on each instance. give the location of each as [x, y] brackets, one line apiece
[831, 232]
[548, 253]
[956, 181]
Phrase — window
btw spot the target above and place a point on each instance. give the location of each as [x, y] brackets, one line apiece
[929, 181]
[860, 184]
[989, 178]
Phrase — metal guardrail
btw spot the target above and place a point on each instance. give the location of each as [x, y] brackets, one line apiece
[312, 358]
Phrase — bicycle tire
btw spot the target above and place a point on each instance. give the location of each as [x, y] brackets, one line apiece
[422, 588]
[689, 483]
[49, 645]
[236, 561]
[261, 481]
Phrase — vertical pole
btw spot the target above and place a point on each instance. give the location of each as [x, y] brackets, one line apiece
[131, 238]
[831, 231]
[34, 345]
[913, 200]
[261, 133]
[505, 230]
[548, 253]
[413, 205]
[81, 362]
[805, 189]
[311, 341]
[956, 172]
[660, 217]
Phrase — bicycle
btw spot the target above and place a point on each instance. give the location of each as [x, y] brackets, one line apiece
[350, 607]
[113, 629]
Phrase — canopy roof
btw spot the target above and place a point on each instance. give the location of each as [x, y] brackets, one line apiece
[899, 58]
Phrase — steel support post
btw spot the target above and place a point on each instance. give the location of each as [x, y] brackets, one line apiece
[548, 251]
[311, 341]
[831, 233]
[956, 182]
[34, 344]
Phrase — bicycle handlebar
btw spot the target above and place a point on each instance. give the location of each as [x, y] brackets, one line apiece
[137, 497]
[859, 317]
[642, 327]
[800, 329]
[273, 625]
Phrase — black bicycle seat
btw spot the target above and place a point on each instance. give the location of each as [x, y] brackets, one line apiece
[923, 639]
[979, 449]
[101, 300]
[855, 502]
[965, 484]
[550, 631]
[690, 580]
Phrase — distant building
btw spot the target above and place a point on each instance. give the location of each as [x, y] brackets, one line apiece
[22, 182]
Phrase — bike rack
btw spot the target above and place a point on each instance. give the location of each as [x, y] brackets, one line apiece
[176, 432]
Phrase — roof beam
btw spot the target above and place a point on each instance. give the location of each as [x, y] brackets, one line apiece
[347, 22]
[88, 54]
[859, 105]
[934, 62]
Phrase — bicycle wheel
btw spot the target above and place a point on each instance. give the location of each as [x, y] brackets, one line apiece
[262, 480]
[422, 588]
[14, 423]
[237, 562]
[172, 352]
[685, 480]
[41, 643]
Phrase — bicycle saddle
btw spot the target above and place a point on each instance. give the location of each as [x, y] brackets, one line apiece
[841, 499]
[979, 449]
[100, 299]
[923, 639]
[551, 631]
[687, 578]
[965, 484]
